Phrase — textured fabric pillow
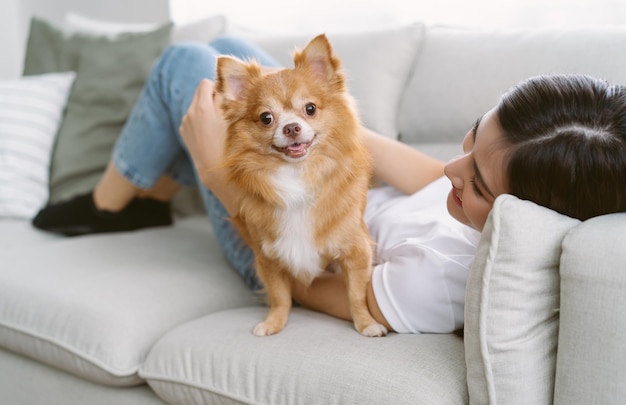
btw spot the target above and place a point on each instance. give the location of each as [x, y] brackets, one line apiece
[31, 109]
[110, 76]
[378, 65]
[512, 304]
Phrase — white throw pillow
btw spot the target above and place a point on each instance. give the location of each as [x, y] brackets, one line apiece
[31, 110]
[512, 304]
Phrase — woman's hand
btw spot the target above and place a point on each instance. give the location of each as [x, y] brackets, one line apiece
[203, 130]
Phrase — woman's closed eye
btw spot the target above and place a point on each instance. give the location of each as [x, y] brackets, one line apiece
[475, 187]
[475, 126]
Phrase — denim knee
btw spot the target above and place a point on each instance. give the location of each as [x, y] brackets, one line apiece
[227, 44]
[183, 55]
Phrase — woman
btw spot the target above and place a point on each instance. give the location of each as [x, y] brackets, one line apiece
[559, 141]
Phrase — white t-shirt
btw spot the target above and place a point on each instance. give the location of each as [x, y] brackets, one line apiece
[422, 259]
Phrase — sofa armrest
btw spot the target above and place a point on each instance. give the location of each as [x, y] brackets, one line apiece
[591, 359]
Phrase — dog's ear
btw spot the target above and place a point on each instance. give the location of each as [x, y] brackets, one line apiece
[233, 77]
[319, 57]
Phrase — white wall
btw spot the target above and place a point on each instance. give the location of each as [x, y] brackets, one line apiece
[15, 18]
[354, 15]
[10, 41]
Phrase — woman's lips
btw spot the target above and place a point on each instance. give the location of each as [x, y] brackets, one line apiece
[456, 198]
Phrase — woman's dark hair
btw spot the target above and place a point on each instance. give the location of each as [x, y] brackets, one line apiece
[566, 140]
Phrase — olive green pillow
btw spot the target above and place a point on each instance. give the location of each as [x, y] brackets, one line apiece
[110, 74]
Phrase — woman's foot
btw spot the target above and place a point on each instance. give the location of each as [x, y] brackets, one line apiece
[79, 216]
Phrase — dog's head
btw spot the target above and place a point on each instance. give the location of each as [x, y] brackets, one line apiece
[286, 113]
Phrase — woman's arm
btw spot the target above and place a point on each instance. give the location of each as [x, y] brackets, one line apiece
[400, 165]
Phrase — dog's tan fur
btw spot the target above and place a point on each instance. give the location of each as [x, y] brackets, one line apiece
[299, 214]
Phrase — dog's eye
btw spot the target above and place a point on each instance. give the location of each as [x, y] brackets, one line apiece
[310, 109]
[266, 118]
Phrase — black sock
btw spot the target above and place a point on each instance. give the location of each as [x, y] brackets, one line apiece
[79, 216]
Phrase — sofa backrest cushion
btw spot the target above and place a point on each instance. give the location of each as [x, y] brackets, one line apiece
[512, 304]
[378, 64]
[461, 73]
[591, 356]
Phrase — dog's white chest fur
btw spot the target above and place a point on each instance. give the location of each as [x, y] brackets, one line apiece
[295, 244]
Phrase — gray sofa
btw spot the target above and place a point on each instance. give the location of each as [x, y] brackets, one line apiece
[158, 316]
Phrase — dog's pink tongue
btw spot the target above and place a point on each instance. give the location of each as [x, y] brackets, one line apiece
[296, 150]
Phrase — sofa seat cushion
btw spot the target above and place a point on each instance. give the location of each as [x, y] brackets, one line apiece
[316, 359]
[19, 232]
[95, 305]
[27, 382]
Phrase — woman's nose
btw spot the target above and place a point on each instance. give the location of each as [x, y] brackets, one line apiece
[454, 170]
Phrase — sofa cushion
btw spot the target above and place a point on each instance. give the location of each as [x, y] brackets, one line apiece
[20, 232]
[461, 72]
[316, 359]
[95, 305]
[377, 63]
[591, 356]
[110, 74]
[203, 30]
[28, 382]
[512, 304]
[31, 109]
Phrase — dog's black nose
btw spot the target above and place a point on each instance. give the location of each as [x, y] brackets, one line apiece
[292, 130]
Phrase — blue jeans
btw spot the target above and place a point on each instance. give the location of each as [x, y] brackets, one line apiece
[150, 144]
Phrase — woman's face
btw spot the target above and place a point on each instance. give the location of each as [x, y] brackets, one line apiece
[477, 176]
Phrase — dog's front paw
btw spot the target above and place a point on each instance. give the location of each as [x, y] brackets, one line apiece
[374, 330]
[266, 328]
